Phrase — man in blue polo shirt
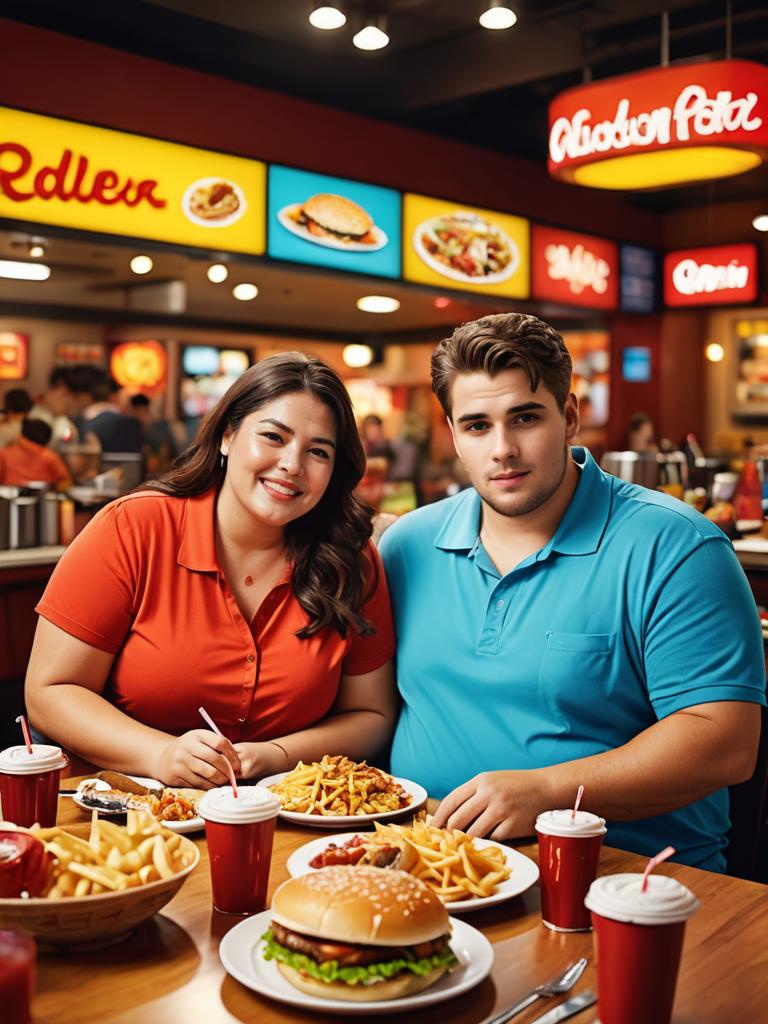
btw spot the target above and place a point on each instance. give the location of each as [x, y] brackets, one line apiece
[557, 626]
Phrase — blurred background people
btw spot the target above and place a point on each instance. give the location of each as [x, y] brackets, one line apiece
[376, 444]
[160, 445]
[641, 435]
[16, 405]
[29, 458]
[116, 431]
[56, 406]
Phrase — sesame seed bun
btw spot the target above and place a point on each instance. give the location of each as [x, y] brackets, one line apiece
[362, 905]
[338, 214]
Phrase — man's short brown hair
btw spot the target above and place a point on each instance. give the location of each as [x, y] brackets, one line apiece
[505, 341]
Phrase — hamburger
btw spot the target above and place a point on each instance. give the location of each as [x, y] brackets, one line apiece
[358, 934]
[330, 216]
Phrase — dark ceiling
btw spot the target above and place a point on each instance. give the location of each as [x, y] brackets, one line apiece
[442, 73]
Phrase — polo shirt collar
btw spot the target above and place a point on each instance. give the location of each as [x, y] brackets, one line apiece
[197, 550]
[580, 529]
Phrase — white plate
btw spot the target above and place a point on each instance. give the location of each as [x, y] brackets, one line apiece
[219, 222]
[241, 953]
[182, 827]
[301, 230]
[524, 871]
[413, 789]
[456, 275]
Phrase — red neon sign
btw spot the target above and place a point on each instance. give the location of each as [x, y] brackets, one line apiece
[578, 270]
[715, 276]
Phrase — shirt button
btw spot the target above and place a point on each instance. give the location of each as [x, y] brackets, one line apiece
[248, 581]
[499, 605]
[241, 718]
[250, 658]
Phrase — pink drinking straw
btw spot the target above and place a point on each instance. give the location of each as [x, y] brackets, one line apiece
[217, 730]
[579, 795]
[652, 864]
[25, 730]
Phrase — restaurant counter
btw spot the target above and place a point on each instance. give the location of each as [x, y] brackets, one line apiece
[169, 968]
[24, 573]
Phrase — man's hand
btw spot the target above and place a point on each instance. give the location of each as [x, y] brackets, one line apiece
[500, 805]
[197, 759]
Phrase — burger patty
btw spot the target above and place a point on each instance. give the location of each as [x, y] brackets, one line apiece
[350, 955]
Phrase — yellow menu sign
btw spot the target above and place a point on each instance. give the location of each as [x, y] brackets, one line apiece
[457, 246]
[95, 179]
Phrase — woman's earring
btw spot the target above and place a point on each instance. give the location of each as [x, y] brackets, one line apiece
[222, 461]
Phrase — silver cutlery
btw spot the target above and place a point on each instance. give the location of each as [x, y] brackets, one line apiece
[567, 1009]
[556, 987]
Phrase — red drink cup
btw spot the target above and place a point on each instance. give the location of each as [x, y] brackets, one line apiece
[569, 849]
[638, 943]
[239, 831]
[17, 976]
[29, 784]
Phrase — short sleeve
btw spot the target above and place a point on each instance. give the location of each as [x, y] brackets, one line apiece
[91, 592]
[703, 641]
[367, 653]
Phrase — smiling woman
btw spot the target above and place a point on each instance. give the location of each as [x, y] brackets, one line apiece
[243, 580]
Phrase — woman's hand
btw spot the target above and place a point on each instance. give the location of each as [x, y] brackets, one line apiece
[197, 759]
[258, 760]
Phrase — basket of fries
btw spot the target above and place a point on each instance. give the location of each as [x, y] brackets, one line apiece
[102, 880]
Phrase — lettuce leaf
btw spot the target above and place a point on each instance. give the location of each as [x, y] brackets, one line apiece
[330, 970]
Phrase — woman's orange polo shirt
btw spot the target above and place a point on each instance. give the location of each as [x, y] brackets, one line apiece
[142, 581]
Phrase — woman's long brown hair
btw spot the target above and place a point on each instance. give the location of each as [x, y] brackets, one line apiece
[328, 545]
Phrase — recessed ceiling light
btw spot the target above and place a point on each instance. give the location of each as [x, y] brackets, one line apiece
[760, 223]
[37, 247]
[142, 264]
[714, 352]
[245, 292]
[378, 304]
[327, 18]
[372, 36]
[18, 271]
[442, 302]
[357, 356]
[217, 272]
[498, 16]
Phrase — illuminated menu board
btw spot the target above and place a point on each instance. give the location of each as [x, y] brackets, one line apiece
[457, 246]
[577, 270]
[639, 276]
[720, 275]
[333, 222]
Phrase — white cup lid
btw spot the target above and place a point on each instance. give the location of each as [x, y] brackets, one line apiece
[252, 804]
[563, 823]
[621, 898]
[44, 758]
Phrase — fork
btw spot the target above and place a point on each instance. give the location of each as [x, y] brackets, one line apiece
[559, 984]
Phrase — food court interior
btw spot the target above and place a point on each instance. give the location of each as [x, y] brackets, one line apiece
[158, 163]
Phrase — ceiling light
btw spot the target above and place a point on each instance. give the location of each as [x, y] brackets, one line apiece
[357, 356]
[327, 18]
[217, 273]
[17, 271]
[714, 352]
[37, 247]
[760, 223]
[378, 304]
[372, 36]
[442, 302]
[498, 16]
[245, 292]
[141, 264]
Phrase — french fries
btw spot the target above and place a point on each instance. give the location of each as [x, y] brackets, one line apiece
[338, 786]
[112, 858]
[447, 860]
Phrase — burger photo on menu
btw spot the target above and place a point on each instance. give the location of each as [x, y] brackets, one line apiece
[213, 202]
[464, 246]
[334, 221]
[359, 934]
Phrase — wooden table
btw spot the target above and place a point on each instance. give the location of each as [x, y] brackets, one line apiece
[169, 972]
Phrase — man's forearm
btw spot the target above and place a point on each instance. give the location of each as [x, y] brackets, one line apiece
[673, 763]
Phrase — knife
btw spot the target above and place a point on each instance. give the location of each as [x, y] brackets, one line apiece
[567, 1009]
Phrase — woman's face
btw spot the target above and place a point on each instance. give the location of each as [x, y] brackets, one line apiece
[280, 459]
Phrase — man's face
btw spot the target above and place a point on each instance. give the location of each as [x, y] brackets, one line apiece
[513, 441]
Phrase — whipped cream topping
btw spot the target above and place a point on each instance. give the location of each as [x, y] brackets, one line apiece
[252, 804]
[44, 758]
[620, 897]
[563, 823]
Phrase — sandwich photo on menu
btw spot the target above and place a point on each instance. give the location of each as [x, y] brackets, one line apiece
[334, 221]
[466, 247]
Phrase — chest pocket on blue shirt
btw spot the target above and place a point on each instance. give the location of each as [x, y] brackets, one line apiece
[574, 669]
